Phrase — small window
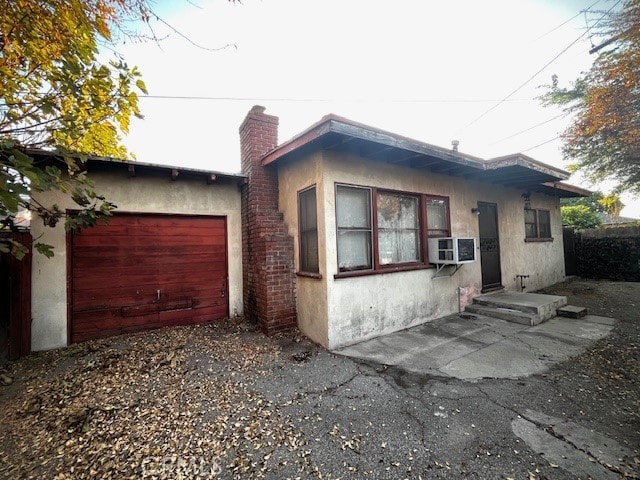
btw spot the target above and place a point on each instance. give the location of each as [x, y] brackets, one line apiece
[537, 224]
[437, 217]
[353, 215]
[308, 231]
[398, 228]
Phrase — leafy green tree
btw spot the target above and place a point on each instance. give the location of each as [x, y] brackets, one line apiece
[579, 217]
[56, 93]
[593, 202]
[604, 137]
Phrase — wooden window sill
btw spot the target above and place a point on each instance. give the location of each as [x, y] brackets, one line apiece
[381, 271]
[538, 240]
[317, 276]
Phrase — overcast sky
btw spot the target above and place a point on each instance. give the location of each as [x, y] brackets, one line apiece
[431, 70]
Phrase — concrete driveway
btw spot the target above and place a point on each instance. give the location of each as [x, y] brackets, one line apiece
[468, 346]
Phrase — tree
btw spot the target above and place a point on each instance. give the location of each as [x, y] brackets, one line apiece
[612, 205]
[592, 202]
[57, 94]
[604, 137]
[579, 217]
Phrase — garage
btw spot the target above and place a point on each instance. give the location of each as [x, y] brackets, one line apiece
[144, 271]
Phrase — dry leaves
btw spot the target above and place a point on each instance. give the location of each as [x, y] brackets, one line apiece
[174, 403]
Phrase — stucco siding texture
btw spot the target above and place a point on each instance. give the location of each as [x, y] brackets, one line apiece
[311, 293]
[151, 193]
[368, 306]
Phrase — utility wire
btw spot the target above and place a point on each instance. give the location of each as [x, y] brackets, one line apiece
[542, 69]
[529, 128]
[541, 144]
[284, 99]
[567, 21]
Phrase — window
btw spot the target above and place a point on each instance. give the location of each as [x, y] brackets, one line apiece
[353, 221]
[381, 230]
[308, 223]
[437, 217]
[398, 228]
[537, 224]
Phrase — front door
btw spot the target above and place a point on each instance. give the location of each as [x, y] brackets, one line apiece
[489, 246]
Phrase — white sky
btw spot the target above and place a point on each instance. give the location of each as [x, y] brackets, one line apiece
[421, 68]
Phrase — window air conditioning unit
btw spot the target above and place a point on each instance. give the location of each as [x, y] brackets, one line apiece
[452, 250]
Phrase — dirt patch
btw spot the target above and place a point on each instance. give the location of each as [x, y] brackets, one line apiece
[165, 403]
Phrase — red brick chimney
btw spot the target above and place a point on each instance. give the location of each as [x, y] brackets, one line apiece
[267, 248]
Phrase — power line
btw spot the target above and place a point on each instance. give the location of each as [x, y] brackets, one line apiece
[285, 99]
[529, 128]
[541, 69]
[541, 144]
[567, 21]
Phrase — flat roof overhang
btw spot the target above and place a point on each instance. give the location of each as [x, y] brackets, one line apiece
[338, 134]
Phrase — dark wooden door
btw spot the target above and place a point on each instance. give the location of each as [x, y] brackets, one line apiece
[570, 260]
[15, 300]
[146, 271]
[489, 246]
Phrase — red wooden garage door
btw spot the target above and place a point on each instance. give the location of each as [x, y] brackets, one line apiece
[147, 271]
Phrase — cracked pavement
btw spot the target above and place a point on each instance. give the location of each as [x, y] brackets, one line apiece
[282, 407]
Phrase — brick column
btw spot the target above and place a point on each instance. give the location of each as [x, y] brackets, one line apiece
[267, 248]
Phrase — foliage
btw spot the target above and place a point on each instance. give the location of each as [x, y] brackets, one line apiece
[604, 137]
[593, 202]
[58, 95]
[612, 205]
[579, 217]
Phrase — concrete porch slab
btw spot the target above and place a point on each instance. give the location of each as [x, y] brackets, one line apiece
[481, 346]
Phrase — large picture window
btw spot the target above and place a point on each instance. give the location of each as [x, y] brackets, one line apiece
[381, 230]
[308, 222]
[398, 228]
[537, 224]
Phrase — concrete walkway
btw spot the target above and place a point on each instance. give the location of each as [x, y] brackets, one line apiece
[474, 346]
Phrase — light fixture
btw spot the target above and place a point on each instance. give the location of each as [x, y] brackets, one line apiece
[526, 196]
[475, 210]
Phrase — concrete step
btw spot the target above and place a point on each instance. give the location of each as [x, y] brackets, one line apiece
[570, 311]
[508, 314]
[542, 306]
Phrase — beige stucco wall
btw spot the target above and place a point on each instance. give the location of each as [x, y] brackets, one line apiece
[311, 293]
[148, 193]
[368, 306]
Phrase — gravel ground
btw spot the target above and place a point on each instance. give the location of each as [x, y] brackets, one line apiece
[223, 401]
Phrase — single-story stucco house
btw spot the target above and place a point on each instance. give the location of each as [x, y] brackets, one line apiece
[346, 231]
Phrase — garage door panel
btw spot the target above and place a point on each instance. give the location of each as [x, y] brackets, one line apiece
[118, 268]
[91, 300]
[170, 280]
[146, 240]
[112, 257]
[146, 231]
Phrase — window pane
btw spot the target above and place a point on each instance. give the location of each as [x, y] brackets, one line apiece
[309, 252]
[544, 223]
[354, 250]
[308, 216]
[436, 215]
[397, 211]
[308, 231]
[530, 224]
[398, 223]
[353, 207]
